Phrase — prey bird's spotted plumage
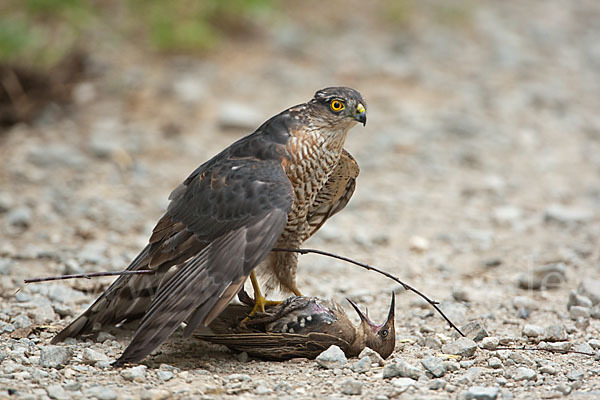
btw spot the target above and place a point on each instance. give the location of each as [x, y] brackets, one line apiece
[272, 188]
[300, 327]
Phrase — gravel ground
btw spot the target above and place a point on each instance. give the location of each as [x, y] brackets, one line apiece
[479, 185]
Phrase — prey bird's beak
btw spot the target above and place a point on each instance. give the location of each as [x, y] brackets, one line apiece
[392, 312]
[364, 318]
[361, 114]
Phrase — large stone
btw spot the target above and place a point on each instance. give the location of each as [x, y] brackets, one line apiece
[90, 356]
[361, 366]
[578, 300]
[590, 288]
[100, 393]
[544, 277]
[434, 365]
[374, 356]
[57, 392]
[332, 358]
[524, 374]
[474, 330]
[481, 393]
[463, 346]
[54, 356]
[567, 215]
[135, 374]
[533, 331]
[403, 369]
[352, 387]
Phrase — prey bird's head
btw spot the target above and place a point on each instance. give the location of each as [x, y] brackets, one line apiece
[339, 106]
[381, 338]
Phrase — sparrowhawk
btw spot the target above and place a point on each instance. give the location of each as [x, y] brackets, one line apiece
[272, 188]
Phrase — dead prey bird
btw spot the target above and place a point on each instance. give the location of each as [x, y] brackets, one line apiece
[272, 188]
[300, 327]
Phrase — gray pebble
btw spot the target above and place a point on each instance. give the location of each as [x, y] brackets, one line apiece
[463, 346]
[434, 365]
[6, 328]
[490, 343]
[567, 215]
[352, 387]
[451, 366]
[361, 366]
[44, 314]
[262, 390]
[579, 312]
[494, 362]
[242, 357]
[238, 378]
[594, 343]
[233, 115]
[590, 288]
[575, 375]
[374, 356]
[506, 215]
[549, 368]
[460, 294]
[6, 202]
[90, 356]
[402, 384]
[555, 333]
[456, 312]
[563, 389]
[54, 356]
[533, 330]
[100, 393]
[104, 336]
[560, 346]
[474, 330]
[136, 374]
[595, 312]
[6, 265]
[524, 302]
[332, 358]
[19, 217]
[21, 321]
[57, 156]
[57, 392]
[578, 300]
[524, 373]
[583, 348]
[482, 393]
[436, 384]
[401, 368]
[164, 375]
[544, 277]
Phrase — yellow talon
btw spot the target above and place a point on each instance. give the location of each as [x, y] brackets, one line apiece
[260, 302]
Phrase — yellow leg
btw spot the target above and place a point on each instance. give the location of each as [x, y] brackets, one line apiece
[259, 300]
[296, 291]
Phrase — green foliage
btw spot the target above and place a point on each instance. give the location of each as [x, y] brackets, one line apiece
[40, 32]
[189, 25]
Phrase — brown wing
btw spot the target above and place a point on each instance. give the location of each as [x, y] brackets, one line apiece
[336, 193]
[277, 346]
[221, 222]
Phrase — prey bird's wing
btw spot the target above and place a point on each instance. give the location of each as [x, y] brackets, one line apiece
[277, 346]
[335, 194]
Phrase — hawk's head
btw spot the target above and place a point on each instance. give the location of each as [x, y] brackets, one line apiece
[340, 106]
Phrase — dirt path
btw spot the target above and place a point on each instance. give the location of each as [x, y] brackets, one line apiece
[480, 167]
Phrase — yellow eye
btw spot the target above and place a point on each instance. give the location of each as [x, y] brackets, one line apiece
[336, 105]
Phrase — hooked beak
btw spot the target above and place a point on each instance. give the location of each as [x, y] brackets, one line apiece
[361, 116]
